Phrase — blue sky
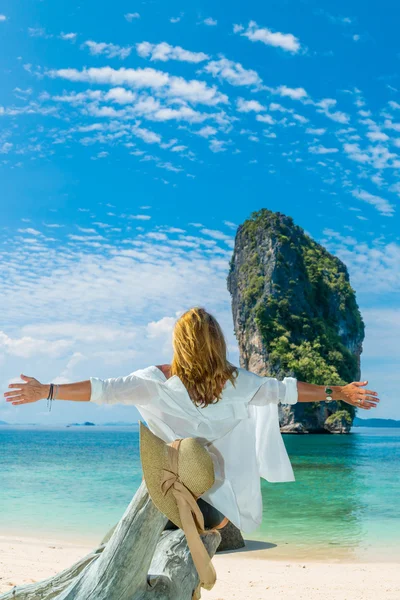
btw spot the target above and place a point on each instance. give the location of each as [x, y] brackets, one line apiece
[136, 136]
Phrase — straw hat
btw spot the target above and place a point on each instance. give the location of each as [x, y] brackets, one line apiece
[176, 474]
[195, 470]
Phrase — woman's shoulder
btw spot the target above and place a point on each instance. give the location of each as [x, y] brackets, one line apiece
[153, 372]
[245, 384]
[248, 376]
[165, 370]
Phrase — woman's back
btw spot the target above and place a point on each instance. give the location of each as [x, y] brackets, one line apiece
[241, 431]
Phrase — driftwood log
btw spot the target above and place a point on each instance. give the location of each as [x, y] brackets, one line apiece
[139, 561]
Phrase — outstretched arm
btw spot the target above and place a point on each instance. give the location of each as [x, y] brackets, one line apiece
[291, 391]
[32, 391]
[130, 389]
[352, 393]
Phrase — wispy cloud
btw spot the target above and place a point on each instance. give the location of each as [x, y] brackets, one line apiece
[277, 39]
[233, 72]
[164, 52]
[210, 22]
[70, 37]
[249, 105]
[109, 50]
[132, 16]
[194, 90]
[381, 204]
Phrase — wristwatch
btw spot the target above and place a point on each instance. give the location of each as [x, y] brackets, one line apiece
[328, 392]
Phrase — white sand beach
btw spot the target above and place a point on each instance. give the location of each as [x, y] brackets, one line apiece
[242, 575]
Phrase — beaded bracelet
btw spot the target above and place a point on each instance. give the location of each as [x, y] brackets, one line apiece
[50, 397]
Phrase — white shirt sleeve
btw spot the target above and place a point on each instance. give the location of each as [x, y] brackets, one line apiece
[130, 389]
[274, 391]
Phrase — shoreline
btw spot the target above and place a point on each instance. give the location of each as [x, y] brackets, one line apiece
[256, 548]
[247, 574]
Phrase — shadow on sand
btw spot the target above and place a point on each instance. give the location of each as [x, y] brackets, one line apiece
[251, 546]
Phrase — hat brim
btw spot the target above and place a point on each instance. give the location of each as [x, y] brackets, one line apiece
[154, 455]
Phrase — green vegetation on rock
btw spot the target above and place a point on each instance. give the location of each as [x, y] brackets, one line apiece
[297, 297]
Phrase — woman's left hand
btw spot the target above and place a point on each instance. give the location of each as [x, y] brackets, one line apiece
[25, 393]
[354, 394]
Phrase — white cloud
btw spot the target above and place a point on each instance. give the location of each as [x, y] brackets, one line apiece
[217, 235]
[300, 118]
[377, 136]
[278, 107]
[3, 18]
[150, 137]
[206, 131]
[140, 217]
[322, 150]
[233, 73]
[162, 327]
[381, 204]
[30, 230]
[217, 146]
[285, 41]
[120, 96]
[73, 330]
[6, 147]
[265, 119]
[193, 91]
[325, 105]
[164, 52]
[38, 32]
[355, 153]
[339, 20]
[183, 113]
[294, 93]
[70, 37]
[109, 50]
[131, 16]
[249, 105]
[210, 22]
[317, 131]
[175, 19]
[27, 347]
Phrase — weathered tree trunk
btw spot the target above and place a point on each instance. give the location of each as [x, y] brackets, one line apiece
[138, 562]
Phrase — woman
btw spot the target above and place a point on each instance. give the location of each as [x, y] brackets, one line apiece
[232, 411]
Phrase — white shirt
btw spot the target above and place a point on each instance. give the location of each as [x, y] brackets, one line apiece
[241, 431]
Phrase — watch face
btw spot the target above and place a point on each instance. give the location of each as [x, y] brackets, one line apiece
[328, 399]
[328, 390]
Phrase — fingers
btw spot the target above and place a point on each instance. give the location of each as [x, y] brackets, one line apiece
[364, 396]
[25, 377]
[12, 393]
[15, 397]
[359, 383]
[16, 385]
[372, 401]
[366, 404]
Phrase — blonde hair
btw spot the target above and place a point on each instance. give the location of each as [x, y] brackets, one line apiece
[200, 356]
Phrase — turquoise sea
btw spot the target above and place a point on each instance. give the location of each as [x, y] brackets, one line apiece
[74, 483]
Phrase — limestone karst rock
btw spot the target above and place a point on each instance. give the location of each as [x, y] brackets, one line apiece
[295, 314]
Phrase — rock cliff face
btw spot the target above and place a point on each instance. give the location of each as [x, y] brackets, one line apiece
[295, 314]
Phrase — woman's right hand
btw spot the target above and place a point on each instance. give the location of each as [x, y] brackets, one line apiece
[354, 394]
[25, 393]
